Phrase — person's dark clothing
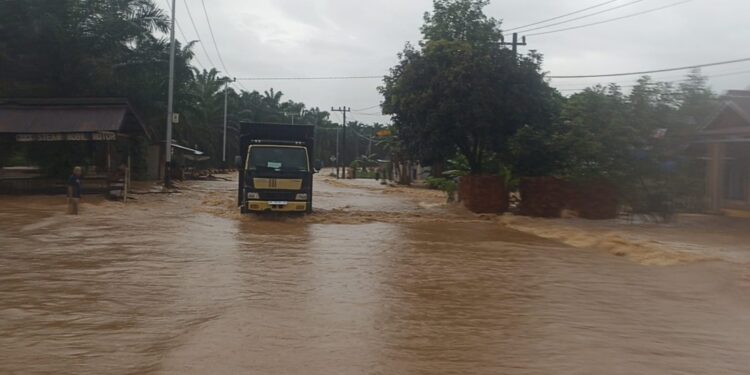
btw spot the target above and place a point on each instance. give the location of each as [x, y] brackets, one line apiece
[75, 183]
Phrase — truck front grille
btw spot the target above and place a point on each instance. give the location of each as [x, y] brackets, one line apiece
[277, 195]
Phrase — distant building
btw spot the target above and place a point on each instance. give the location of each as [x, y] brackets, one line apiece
[727, 141]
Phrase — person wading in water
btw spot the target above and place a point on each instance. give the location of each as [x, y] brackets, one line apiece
[74, 191]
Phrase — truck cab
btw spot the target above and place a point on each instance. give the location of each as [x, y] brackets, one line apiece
[276, 174]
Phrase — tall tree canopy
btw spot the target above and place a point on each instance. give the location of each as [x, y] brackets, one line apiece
[461, 90]
[77, 48]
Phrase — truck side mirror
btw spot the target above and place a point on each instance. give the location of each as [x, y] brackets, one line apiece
[238, 161]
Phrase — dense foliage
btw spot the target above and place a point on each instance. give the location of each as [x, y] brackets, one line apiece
[118, 48]
[461, 90]
[460, 97]
[458, 100]
[639, 141]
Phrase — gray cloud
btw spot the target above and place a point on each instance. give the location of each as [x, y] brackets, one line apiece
[264, 38]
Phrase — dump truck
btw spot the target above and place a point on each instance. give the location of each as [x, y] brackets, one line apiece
[275, 168]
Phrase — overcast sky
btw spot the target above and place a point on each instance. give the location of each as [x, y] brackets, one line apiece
[305, 38]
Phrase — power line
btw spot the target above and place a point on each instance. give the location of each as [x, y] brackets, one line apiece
[306, 78]
[365, 109]
[195, 28]
[729, 74]
[551, 77]
[366, 138]
[216, 45]
[613, 19]
[197, 60]
[584, 16]
[653, 71]
[242, 87]
[185, 38]
[670, 78]
[370, 114]
[563, 16]
[657, 82]
[211, 31]
[618, 84]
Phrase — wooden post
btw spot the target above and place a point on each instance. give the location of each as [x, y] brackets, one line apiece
[109, 156]
[126, 182]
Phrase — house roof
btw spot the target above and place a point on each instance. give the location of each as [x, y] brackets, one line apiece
[69, 115]
[733, 120]
[741, 100]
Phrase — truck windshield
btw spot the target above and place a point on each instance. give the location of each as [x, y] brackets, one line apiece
[278, 159]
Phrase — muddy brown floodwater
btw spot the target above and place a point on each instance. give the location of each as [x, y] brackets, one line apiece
[372, 283]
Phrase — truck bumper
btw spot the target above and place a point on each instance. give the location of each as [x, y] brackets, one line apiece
[266, 206]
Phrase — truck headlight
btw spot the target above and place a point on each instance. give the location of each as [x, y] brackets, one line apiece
[301, 197]
[251, 195]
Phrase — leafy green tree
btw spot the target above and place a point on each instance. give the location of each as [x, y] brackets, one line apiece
[598, 135]
[117, 48]
[461, 91]
[461, 20]
[639, 141]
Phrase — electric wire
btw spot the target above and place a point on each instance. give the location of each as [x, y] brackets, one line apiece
[366, 108]
[551, 77]
[182, 33]
[562, 16]
[709, 76]
[211, 31]
[216, 45]
[653, 71]
[307, 78]
[195, 28]
[612, 19]
[584, 16]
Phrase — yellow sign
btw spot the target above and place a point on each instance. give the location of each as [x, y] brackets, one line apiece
[383, 133]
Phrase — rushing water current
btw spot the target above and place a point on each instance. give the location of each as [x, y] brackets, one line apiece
[373, 284]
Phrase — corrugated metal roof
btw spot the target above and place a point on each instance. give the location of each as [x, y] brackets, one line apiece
[196, 152]
[33, 116]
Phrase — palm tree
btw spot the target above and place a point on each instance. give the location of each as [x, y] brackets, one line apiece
[399, 161]
[205, 115]
[273, 99]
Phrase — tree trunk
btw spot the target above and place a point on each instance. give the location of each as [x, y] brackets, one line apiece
[438, 168]
[404, 177]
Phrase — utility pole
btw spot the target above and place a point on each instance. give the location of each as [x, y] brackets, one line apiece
[515, 43]
[343, 110]
[170, 99]
[226, 100]
[369, 145]
[338, 157]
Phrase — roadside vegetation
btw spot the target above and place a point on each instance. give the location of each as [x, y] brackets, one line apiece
[460, 101]
[120, 48]
[460, 95]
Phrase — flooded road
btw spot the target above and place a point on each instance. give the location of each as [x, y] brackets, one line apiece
[372, 283]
